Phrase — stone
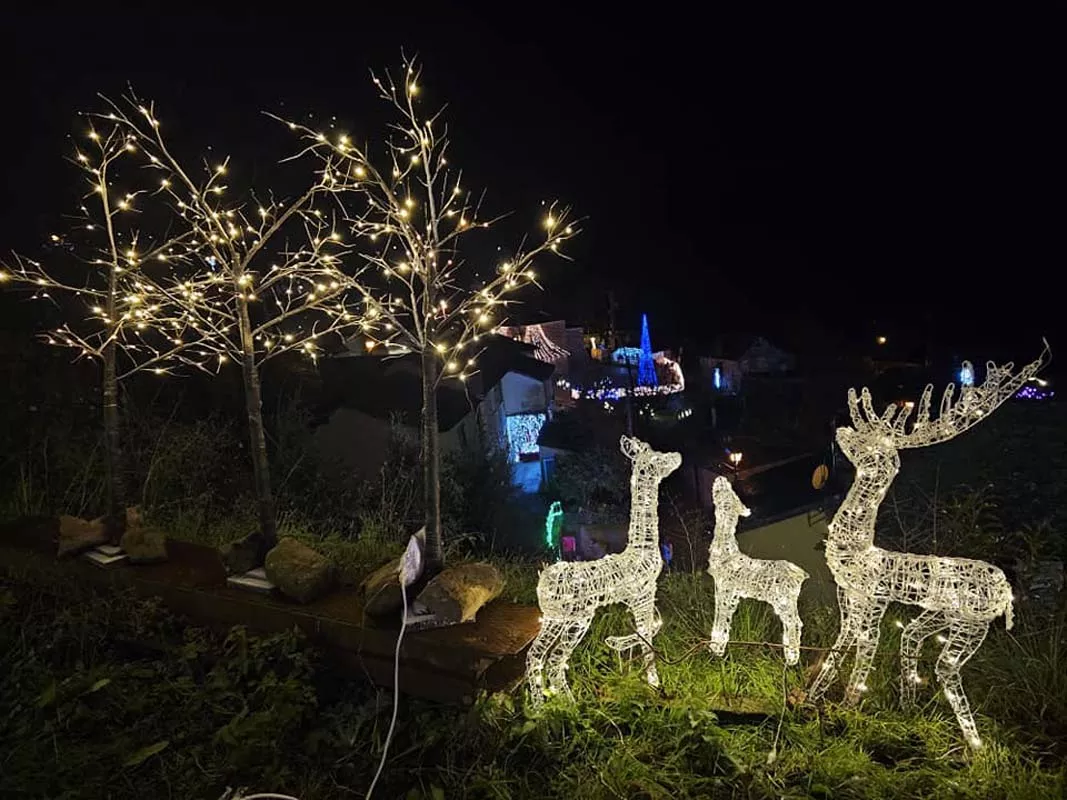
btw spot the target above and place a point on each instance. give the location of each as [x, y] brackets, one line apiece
[456, 594]
[381, 589]
[245, 554]
[78, 535]
[144, 545]
[298, 571]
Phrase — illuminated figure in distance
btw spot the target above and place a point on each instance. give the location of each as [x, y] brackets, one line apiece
[570, 592]
[957, 595]
[737, 575]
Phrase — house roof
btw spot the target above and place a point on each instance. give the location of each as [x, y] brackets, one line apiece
[387, 387]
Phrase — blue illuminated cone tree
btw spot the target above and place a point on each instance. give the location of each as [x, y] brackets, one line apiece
[646, 367]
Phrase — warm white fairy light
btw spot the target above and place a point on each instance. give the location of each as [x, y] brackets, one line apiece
[404, 207]
[737, 575]
[570, 592]
[958, 596]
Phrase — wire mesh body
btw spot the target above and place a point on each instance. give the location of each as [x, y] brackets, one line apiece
[737, 576]
[959, 596]
[570, 592]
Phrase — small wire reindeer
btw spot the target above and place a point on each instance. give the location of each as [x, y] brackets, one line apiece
[737, 575]
[958, 595]
[571, 592]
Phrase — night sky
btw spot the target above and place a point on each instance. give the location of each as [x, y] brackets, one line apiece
[865, 176]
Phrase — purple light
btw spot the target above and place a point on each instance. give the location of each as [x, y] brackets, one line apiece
[1033, 393]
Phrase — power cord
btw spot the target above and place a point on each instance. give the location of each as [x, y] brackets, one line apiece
[410, 566]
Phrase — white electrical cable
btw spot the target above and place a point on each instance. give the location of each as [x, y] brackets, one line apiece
[396, 681]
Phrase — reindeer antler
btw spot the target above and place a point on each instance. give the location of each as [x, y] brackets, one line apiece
[974, 404]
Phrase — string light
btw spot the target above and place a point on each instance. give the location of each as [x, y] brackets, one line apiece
[570, 592]
[737, 575]
[959, 596]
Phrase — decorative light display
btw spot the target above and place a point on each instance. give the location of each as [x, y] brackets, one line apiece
[737, 575]
[553, 526]
[967, 374]
[627, 355]
[646, 368]
[571, 592]
[958, 596]
[413, 218]
[523, 430]
[1034, 393]
[716, 377]
[544, 348]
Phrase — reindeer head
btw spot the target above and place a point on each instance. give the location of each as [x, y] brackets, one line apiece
[726, 499]
[647, 461]
[873, 441]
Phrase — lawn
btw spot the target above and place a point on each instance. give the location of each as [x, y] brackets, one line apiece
[109, 696]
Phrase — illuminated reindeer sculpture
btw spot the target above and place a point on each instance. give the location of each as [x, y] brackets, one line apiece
[959, 596]
[570, 592]
[737, 575]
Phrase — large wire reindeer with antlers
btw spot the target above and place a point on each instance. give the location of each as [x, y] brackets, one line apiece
[957, 595]
[737, 575]
[571, 592]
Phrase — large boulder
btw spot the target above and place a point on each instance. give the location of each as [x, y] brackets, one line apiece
[143, 544]
[245, 554]
[456, 594]
[78, 535]
[298, 571]
[381, 589]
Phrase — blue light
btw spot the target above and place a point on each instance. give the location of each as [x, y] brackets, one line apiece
[646, 369]
[717, 377]
[966, 375]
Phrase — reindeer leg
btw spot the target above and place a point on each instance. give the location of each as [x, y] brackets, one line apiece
[551, 630]
[964, 638]
[911, 644]
[868, 632]
[791, 627]
[846, 637]
[726, 601]
[648, 623]
[571, 634]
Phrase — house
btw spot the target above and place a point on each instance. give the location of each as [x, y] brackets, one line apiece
[367, 400]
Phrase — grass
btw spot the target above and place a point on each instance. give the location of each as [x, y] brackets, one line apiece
[86, 712]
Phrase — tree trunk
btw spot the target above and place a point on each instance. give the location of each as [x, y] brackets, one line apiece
[431, 463]
[116, 479]
[257, 437]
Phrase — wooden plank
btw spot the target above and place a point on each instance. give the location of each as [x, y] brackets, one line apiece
[446, 664]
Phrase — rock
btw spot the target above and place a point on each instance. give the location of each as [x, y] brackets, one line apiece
[144, 545]
[381, 589]
[456, 594]
[245, 554]
[298, 571]
[78, 535]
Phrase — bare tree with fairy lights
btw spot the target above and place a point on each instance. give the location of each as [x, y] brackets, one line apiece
[249, 279]
[411, 215]
[115, 279]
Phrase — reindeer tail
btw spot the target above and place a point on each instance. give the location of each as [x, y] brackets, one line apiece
[1009, 607]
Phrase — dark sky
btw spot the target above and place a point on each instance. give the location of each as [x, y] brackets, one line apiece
[875, 175]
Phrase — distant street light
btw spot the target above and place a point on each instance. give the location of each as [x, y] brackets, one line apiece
[881, 340]
[735, 459]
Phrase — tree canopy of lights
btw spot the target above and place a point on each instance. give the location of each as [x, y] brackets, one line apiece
[411, 214]
[958, 596]
[254, 276]
[737, 575]
[115, 275]
[570, 592]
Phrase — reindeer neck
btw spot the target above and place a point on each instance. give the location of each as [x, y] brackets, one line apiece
[852, 527]
[644, 519]
[725, 539]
